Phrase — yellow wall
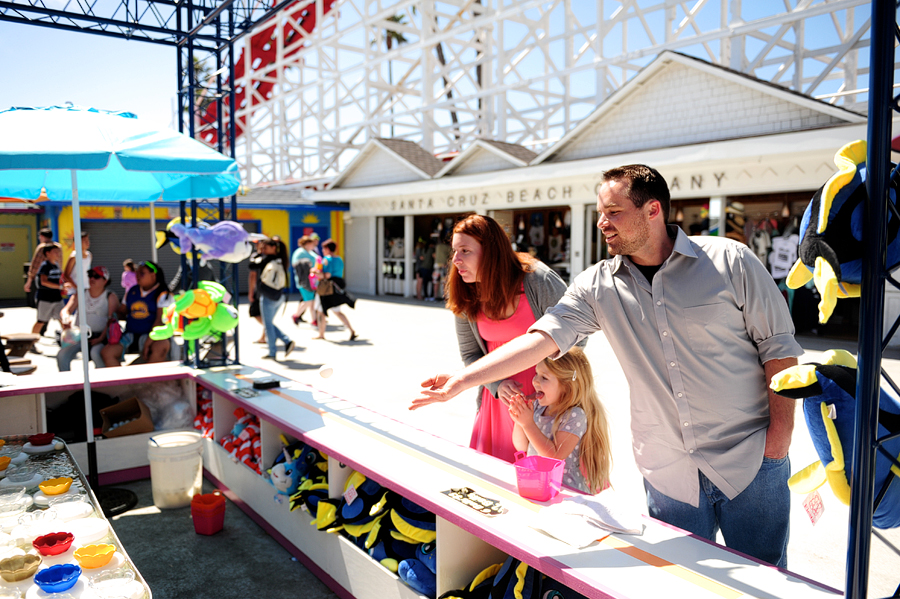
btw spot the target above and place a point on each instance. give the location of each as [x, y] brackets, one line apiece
[29, 220]
[272, 222]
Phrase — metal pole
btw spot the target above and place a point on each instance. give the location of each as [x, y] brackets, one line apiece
[871, 314]
[93, 475]
[232, 137]
[153, 251]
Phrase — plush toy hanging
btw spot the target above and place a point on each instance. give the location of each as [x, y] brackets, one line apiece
[167, 236]
[198, 313]
[831, 247]
[227, 240]
[828, 391]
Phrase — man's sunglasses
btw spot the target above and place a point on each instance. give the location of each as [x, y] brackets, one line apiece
[92, 275]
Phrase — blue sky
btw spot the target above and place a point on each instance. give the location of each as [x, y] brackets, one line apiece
[42, 66]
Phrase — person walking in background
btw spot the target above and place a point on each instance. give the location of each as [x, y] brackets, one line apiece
[273, 280]
[441, 262]
[304, 260]
[255, 267]
[496, 294]
[49, 297]
[333, 271]
[37, 258]
[129, 277]
[101, 305]
[424, 267]
[699, 328]
[70, 278]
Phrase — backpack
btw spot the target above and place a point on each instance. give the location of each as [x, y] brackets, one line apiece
[273, 275]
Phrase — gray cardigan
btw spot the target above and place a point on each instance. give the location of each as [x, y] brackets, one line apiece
[543, 288]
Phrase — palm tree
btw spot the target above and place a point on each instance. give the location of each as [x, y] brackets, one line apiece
[391, 36]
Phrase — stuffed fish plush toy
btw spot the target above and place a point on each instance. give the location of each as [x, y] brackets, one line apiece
[828, 391]
[831, 247]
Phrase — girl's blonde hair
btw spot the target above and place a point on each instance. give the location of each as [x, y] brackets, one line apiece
[577, 389]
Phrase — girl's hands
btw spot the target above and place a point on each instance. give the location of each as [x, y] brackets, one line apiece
[520, 410]
[508, 389]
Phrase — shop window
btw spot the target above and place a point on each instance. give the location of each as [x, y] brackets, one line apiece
[545, 233]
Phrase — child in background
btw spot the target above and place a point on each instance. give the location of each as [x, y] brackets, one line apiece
[129, 277]
[48, 292]
[566, 421]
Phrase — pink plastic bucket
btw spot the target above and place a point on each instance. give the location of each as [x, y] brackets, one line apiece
[537, 477]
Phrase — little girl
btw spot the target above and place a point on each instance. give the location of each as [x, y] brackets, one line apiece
[565, 421]
[129, 276]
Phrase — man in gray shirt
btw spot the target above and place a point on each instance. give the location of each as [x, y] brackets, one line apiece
[699, 328]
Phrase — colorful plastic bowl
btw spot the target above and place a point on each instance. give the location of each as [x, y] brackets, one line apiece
[57, 579]
[2, 443]
[41, 439]
[19, 568]
[4, 462]
[94, 556]
[53, 543]
[56, 486]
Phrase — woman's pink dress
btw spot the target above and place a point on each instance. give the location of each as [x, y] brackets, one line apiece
[492, 432]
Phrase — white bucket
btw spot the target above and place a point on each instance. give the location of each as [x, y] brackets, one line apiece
[176, 468]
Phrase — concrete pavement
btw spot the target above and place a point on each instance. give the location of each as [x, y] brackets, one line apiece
[402, 342]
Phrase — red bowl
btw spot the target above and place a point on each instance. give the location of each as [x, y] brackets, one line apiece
[54, 543]
[41, 439]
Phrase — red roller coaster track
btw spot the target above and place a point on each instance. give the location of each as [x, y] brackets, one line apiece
[263, 52]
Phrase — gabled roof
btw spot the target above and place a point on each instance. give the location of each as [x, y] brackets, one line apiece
[680, 100]
[487, 155]
[385, 161]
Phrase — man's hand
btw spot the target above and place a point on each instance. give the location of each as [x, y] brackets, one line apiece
[28, 286]
[781, 413]
[508, 390]
[436, 389]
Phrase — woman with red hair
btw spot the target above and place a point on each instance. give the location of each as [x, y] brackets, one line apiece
[496, 295]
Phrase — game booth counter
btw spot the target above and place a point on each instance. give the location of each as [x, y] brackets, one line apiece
[377, 508]
[54, 537]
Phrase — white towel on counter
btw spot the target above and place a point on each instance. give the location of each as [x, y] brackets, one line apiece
[583, 519]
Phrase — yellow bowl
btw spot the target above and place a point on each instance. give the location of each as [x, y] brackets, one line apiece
[2, 443]
[4, 462]
[56, 486]
[94, 556]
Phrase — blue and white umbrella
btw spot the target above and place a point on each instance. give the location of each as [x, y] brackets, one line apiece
[96, 155]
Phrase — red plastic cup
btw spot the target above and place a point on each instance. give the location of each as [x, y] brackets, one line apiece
[208, 513]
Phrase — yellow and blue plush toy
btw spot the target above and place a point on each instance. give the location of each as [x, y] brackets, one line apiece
[828, 391]
[831, 247]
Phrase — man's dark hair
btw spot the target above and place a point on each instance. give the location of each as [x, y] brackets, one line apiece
[644, 184]
[48, 233]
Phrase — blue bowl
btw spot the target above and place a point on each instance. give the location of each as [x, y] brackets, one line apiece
[57, 579]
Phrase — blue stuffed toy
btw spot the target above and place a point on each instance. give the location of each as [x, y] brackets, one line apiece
[828, 391]
[831, 245]
[421, 573]
[285, 475]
